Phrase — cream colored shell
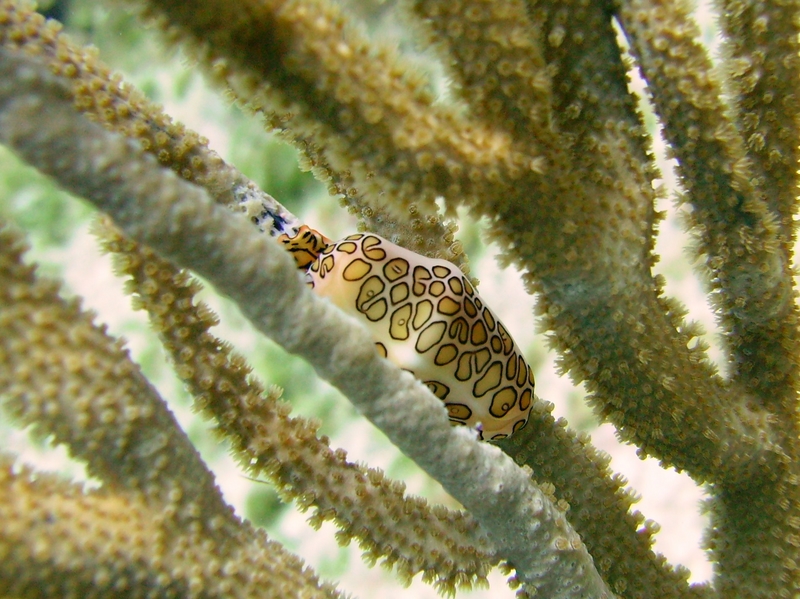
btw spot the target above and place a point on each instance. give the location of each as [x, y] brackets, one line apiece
[427, 318]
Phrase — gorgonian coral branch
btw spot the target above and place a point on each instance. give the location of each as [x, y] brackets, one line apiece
[584, 232]
[159, 522]
[64, 375]
[304, 60]
[619, 540]
[180, 221]
[762, 67]
[61, 540]
[738, 233]
[446, 545]
[495, 53]
[751, 525]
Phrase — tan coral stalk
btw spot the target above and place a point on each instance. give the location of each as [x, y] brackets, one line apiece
[120, 107]
[159, 519]
[738, 233]
[303, 62]
[68, 378]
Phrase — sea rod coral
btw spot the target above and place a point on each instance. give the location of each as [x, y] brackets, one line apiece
[545, 140]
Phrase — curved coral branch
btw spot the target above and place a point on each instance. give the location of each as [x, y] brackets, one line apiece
[587, 246]
[739, 234]
[307, 67]
[64, 375]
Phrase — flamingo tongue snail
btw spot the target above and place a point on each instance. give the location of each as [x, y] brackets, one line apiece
[426, 317]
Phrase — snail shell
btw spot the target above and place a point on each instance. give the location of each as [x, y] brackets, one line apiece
[427, 318]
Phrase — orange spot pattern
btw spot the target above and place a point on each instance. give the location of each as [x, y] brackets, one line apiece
[426, 317]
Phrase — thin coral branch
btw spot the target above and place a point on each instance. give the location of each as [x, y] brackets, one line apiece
[763, 66]
[181, 222]
[61, 540]
[619, 540]
[743, 236]
[120, 107]
[49, 522]
[446, 545]
[751, 525]
[738, 233]
[73, 382]
[306, 66]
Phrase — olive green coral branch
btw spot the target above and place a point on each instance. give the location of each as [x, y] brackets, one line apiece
[738, 230]
[158, 522]
[744, 239]
[62, 374]
[744, 553]
[495, 55]
[120, 107]
[45, 525]
[308, 68]
[584, 233]
[762, 67]
[179, 220]
[61, 540]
